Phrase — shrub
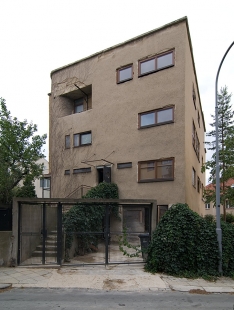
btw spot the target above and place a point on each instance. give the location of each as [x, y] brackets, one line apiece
[184, 244]
[209, 218]
[229, 218]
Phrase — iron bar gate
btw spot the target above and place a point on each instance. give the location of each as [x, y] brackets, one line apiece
[41, 233]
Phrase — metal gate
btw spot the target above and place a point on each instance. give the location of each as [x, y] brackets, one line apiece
[42, 236]
[38, 234]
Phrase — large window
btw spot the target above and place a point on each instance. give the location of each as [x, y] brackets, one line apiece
[193, 177]
[45, 182]
[156, 170]
[156, 63]
[84, 138]
[156, 117]
[124, 74]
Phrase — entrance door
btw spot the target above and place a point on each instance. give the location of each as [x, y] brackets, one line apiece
[104, 174]
[37, 234]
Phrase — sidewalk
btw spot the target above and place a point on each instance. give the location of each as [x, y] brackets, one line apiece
[111, 277]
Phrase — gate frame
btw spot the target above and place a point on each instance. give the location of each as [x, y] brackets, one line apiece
[17, 202]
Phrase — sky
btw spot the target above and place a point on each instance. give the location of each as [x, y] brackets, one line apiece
[37, 37]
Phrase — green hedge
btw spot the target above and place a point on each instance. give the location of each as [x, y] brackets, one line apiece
[184, 244]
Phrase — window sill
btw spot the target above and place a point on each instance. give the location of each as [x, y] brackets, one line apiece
[154, 180]
[154, 71]
[76, 147]
[156, 125]
[121, 82]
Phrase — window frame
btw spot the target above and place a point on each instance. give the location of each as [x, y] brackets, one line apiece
[195, 141]
[79, 104]
[67, 172]
[155, 57]
[80, 134]
[118, 81]
[156, 123]
[156, 161]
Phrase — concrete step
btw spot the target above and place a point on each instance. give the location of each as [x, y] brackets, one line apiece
[47, 254]
[48, 248]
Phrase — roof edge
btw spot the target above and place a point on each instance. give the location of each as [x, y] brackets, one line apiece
[183, 19]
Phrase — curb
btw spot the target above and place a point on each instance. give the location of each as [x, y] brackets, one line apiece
[5, 286]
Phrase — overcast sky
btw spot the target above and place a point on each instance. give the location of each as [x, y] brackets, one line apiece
[39, 36]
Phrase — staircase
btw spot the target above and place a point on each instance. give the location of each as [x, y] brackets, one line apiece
[50, 246]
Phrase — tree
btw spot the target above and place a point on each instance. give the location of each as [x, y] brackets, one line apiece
[20, 148]
[226, 148]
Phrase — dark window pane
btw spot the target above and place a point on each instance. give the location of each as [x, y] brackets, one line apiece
[147, 66]
[148, 119]
[82, 170]
[165, 116]
[124, 165]
[67, 172]
[125, 74]
[79, 108]
[164, 60]
[85, 138]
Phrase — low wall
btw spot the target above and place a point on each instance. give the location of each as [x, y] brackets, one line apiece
[6, 243]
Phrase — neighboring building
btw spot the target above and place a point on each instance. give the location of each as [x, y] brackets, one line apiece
[210, 208]
[42, 185]
[132, 115]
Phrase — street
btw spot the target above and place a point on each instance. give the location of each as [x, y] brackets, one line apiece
[36, 298]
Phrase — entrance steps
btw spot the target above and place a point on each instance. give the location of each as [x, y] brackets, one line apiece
[50, 246]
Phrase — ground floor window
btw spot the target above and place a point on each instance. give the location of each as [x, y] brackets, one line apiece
[156, 170]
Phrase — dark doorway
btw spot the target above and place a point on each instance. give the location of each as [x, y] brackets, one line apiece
[104, 174]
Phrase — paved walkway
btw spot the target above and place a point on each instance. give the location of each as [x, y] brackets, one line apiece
[111, 277]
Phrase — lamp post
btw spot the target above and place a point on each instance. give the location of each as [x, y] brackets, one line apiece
[218, 226]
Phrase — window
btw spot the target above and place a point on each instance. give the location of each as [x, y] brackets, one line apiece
[81, 170]
[67, 172]
[67, 142]
[156, 170]
[156, 117]
[124, 74]
[207, 206]
[194, 177]
[198, 118]
[45, 182]
[195, 141]
[84, 138]
[124, 165]
[194, 97]
[198, 184]
[156, 63]
[79, 105]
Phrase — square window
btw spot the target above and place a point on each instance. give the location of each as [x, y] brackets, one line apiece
[147, 119]
[165, 60]
[147, 66]
[124, 74]
[85, 138]
[67, 172]
[164, 116]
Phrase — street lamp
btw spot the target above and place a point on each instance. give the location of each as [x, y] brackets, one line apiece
[218, 226]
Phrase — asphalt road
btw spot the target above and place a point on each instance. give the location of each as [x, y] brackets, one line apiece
[60, 299]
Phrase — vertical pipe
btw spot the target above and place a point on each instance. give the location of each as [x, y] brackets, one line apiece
[19, 233]
[107, 232]
[43, 233]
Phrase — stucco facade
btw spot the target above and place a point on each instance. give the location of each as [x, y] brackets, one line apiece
[115, 109]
